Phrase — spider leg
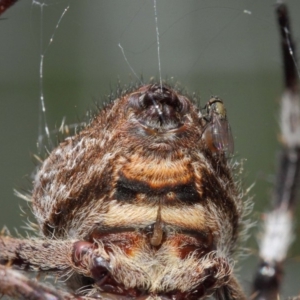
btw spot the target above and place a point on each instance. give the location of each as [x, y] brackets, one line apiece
[232, 291]
[35, 254]
[61, 257]
[16, 285]
[278, 223]
[5, 4]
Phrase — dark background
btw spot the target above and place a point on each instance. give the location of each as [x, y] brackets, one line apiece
[211, 47]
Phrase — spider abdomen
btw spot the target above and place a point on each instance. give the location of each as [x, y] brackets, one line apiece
[141, 184]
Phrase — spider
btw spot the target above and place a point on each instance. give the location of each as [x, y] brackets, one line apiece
[229, 114]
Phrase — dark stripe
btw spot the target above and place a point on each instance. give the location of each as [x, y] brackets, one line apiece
[127, 190]
[99, 231]
[65, 210]
[223, 197]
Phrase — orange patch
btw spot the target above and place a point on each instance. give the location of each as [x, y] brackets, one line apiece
[158, 172]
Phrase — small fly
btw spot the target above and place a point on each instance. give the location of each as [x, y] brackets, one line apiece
[218, 135]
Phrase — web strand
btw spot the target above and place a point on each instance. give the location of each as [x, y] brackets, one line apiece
[158, 43]
[43, 128]
[129, 65]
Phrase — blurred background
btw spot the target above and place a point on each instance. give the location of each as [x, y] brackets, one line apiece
[228, 48]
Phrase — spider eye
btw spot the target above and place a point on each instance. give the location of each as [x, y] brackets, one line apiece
[217, 133]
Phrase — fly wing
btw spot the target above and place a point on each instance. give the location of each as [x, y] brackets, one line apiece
[221, 135]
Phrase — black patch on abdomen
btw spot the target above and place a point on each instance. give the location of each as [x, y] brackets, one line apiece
[127, 190]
